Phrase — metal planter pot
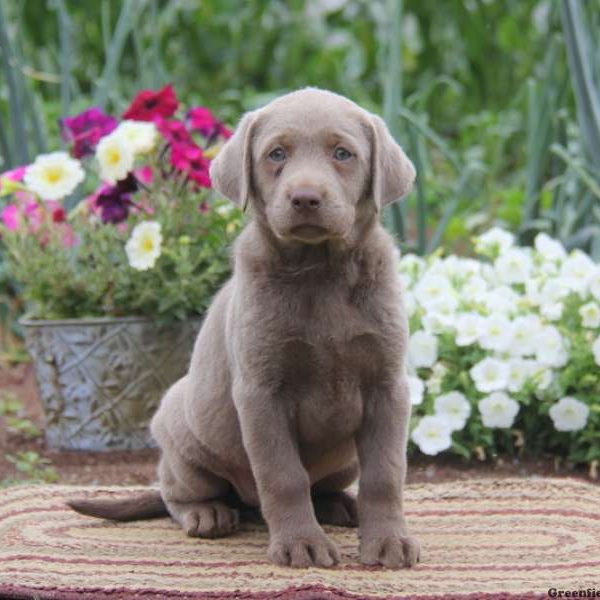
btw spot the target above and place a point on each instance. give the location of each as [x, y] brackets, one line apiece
[101, 380]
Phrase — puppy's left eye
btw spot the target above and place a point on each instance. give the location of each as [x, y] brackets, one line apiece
[342, 153]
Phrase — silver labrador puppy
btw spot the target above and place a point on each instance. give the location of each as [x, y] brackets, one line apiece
[297, 380]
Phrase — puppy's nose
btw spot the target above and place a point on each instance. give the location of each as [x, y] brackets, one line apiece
[305, 200]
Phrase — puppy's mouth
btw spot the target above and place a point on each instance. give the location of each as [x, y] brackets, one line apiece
[311, 234]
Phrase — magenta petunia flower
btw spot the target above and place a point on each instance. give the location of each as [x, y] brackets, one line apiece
[86, 129]
[203, 120]
[150, 104]
[190, 159]
[174, 131]
[114, 201]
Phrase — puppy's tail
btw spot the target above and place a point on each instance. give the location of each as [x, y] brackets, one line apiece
[148, 505]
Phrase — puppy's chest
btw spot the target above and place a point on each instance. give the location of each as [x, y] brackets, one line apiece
[324, 363]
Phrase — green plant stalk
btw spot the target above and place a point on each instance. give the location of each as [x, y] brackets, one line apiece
[17, 117]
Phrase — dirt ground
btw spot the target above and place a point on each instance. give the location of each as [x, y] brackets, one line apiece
[138, 467]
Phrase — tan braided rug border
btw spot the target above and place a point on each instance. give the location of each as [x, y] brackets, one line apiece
[512, 538]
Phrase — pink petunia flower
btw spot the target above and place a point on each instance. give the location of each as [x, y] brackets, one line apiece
[11, 216]
[191, 160]
[174, 131]
[203, 120]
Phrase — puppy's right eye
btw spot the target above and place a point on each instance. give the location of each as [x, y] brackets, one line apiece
[277, 155]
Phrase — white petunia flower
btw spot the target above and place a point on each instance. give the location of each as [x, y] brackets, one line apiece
[422, 349]
[595, 283]
[411, 265]
[140, 136]
[577, 271]
[514, 266]
[518, 373]
[551, 349]
[502, 300]
[552, 310]
[416, 389]
[434, 383]
[548, 248]
[468, 328]
[494, 241]
[490, 374]
[455, 408]
[53, 176]
[590, 315]
[525, 330]
[496, 333]
[432, 288]
[475, 286]
[144, 246]
[569, 414]
[410, 304]
[432, 435]
[596, 351]
[115, 158]
[498, 410]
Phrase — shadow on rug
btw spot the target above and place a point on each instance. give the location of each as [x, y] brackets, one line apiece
[512, 538]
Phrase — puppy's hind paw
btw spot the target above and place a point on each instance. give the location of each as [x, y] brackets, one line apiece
[338, 508]
[210, 519]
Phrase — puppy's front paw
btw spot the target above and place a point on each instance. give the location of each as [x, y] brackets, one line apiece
[392, 551]
[304, 550]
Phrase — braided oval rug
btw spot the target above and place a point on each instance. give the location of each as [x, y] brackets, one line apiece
[511, 538]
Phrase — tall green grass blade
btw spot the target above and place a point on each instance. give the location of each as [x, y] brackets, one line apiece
[583, 174]
[581, 55]
[128, 18]
[6, 158]
[66, 55]
[392, 98]
[15, 96]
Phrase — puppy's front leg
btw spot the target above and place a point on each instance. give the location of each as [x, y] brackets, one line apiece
[296, 538]
[381, 445]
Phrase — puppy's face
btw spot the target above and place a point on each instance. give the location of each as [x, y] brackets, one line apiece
[309, 163]
[311, 167]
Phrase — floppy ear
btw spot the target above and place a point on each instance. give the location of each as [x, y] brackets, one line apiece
[392, 172]
[231, 170]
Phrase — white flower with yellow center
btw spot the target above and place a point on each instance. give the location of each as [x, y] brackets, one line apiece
[144, 246]
[416, 388]
[577, 271]
[590, 315]
[468, 328]
[494, 241]
[432, 435]
[551, 348]
[432, 289]
[490, 374]
[139, 135]
[422, 349]
[115, 158]
[498, 410]
[514, 266]
[496, 333]
[569, 414]
[519, 371]
[454, 407]
[595, 283]
[524, 331]
[53, 176]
